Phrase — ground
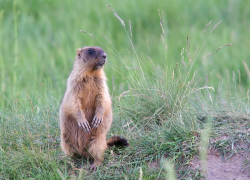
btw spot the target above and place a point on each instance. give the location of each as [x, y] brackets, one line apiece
[235, 167]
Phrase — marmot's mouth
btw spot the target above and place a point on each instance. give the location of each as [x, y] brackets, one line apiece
[99, 65]
[101, 62]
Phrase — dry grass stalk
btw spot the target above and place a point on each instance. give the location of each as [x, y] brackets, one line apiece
[151, 61]
[132, 68]
[247, 70]
[163, 35]
[81, 173]
[163, 32]
[162, 14]
[162, 38]
[147, 45]
[128, 51]
[133, 48]
[207, 26]
[215, 26]
[207, 57]
[106, 39]
[159, 12]
[88, 34]
[130, 28]
[239, 76]
[188, 47]
[116, 15]
[140, 178]
[192, 80]
[223, 46]
[60, 174]
[196, 50]
[183, 63]
[122, 94]
[176, 66]
[165, 46]
[2, 149]
[161, 22]
[227, 75]
[182, 57]
[201, 88]
[209, 95]
[31, 104]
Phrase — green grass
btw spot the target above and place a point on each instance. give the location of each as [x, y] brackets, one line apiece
[163, 98]
[39, 39]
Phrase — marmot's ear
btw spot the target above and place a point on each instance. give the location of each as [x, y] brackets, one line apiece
[78, 50]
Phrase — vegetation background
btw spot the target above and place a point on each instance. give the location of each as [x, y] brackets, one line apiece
[38, 40]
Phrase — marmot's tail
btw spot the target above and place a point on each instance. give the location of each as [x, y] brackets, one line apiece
[117, 141]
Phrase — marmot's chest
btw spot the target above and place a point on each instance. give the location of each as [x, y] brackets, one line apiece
[88, 91]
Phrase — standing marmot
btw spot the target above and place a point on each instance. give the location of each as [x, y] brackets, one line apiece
[86, 112]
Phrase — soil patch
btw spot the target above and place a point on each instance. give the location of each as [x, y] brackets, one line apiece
[236, 168]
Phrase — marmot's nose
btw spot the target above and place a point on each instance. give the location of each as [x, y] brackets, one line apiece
[104, 55]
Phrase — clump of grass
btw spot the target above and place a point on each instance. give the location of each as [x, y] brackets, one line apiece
[159, 105]
[154, 99]
[162, 94]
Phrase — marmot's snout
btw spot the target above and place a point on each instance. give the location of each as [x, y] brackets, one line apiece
[104, 55]
[102, 60]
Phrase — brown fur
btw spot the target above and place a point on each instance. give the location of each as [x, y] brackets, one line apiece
[86, 101]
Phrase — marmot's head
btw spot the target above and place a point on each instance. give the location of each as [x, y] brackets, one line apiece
[92, 58]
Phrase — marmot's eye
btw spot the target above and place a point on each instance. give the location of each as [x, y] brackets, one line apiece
[90, 51]
[79, 55]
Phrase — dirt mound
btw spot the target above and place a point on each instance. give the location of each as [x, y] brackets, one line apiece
[235, 168]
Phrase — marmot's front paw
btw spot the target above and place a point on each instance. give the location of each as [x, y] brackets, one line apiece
[84, 125]
[96, 121]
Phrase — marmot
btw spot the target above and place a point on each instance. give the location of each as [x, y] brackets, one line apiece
[86, 109]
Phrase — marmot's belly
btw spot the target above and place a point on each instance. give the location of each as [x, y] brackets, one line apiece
[89, 114]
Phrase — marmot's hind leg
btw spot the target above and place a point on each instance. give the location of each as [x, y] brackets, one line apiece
[67, 148]
[96, 149]
[67, 123]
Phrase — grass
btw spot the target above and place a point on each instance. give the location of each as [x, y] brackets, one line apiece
[38, 44]
[161, 84]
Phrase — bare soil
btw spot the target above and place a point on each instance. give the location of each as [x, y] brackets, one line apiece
[235, 168]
